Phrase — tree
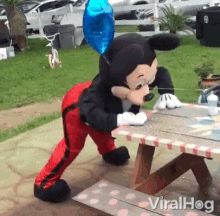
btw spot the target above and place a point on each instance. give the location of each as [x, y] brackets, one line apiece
[17, 22]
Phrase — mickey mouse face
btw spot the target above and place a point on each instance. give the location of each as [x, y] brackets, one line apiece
[137, 90]
[133, 65]
[138, 82]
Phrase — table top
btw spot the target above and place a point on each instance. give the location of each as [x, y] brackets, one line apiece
[188, 129]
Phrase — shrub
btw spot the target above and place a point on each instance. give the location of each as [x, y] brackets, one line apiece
[205, 70]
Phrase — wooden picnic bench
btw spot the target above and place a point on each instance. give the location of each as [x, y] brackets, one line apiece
[111, 199]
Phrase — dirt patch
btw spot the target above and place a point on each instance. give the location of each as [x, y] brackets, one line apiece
[17, 116]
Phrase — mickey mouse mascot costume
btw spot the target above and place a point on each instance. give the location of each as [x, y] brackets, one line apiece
[112, 99]
[127, 71]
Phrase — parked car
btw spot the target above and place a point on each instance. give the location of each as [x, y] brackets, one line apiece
[140, 13]
[189, 7]
[137, 14]
[46, 8]
[34, 6]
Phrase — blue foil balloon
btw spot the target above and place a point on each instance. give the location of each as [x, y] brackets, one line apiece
[98, 24]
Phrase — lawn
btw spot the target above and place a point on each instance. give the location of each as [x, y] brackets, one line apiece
[27, 78]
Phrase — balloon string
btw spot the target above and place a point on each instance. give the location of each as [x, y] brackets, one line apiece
[181, 89]
[106, 59]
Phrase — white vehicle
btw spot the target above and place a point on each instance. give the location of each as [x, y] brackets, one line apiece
[136, 14]
[45, 9]
[189, 7]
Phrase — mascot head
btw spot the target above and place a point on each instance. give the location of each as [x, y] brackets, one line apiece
[131, 65]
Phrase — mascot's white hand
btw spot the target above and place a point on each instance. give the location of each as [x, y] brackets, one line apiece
[141, 118]
[169, 101]
[129, 118]
[125, 118]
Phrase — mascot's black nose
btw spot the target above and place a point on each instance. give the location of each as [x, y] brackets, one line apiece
[148, 97]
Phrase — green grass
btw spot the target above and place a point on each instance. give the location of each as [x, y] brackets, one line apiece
[181, 63]
[6, 134]
[126, 28]
[27, 78]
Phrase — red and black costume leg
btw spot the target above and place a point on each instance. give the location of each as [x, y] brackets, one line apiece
[48, 185]
[106, 147]
[104, 141]
[67, 149]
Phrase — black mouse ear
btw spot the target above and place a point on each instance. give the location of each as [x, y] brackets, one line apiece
[164, 41]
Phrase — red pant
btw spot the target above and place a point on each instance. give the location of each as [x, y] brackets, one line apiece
[75, 132]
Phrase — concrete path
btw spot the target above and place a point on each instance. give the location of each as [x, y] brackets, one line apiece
[23, 156]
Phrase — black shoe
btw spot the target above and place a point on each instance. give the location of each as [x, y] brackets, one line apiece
[59, 192]
[117, 157]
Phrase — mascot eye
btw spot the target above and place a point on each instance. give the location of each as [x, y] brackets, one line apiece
[139, 86]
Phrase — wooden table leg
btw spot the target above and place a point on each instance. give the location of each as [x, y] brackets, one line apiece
[202, 174]
[167, 174]
[143, 164]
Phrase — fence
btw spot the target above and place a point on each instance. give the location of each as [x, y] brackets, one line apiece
[74, 15]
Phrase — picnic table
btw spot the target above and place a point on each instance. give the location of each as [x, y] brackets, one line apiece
[188, 131]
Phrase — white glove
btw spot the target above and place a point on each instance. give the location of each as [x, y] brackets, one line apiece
[169, 101]
[129, 118]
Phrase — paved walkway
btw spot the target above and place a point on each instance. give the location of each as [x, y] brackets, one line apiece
[21, 158]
